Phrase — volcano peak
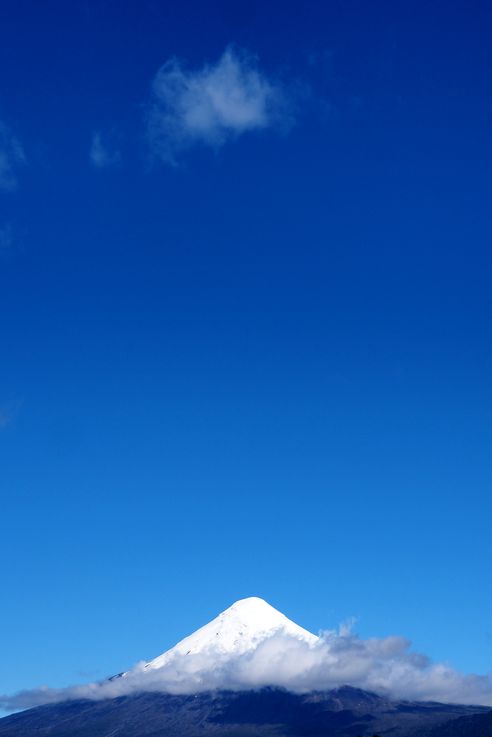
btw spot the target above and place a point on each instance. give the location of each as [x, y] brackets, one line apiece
[237, 630]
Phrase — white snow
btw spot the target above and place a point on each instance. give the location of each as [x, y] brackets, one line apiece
[238, 630]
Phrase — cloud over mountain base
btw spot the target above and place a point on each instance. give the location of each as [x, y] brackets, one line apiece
[384, 665]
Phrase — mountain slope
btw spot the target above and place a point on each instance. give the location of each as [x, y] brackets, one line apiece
[343, 712]
[476, 725]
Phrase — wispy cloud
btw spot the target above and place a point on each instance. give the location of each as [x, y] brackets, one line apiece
[102, 155]
[384, 665]
[11, 158]
[212, 105]
[8, 412]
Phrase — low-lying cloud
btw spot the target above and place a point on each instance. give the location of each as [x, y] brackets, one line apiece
[11, 158]
[212, 105]
[386, 666]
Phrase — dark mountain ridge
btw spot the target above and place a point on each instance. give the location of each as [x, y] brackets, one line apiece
[270, 712]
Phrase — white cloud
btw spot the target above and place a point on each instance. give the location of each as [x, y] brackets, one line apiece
[11, 158]
[212, 105]
[101, 155]
[385, 665]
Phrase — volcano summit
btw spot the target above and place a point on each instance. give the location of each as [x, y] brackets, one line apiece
[238, 630]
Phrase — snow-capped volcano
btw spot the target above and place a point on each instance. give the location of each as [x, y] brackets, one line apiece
[237, 630]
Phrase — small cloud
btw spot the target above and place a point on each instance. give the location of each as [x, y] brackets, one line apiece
[101, 155]
[11, 158]
[212, 105]
[8, 412]
[346, 627]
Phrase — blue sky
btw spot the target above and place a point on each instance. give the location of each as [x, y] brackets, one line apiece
[245, 259]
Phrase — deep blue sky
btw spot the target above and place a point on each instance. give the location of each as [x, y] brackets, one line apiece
[265, 370]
